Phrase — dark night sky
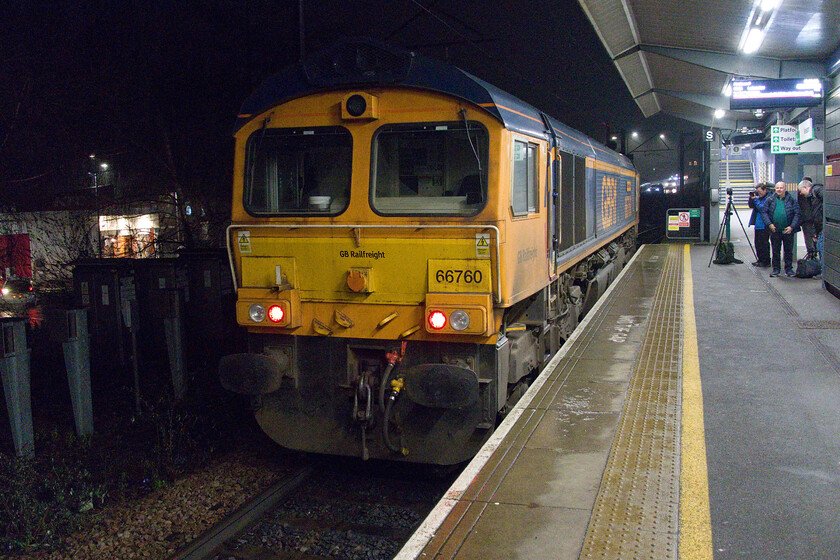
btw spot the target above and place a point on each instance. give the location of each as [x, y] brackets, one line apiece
[153, 87]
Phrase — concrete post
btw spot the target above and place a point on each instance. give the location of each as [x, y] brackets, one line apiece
[714, 184]
[77, 362]
[14, 367]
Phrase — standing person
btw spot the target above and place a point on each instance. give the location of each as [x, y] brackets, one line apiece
[781, 213]
[807, 209]
[817, 215]
[758, 198]
[817, 193]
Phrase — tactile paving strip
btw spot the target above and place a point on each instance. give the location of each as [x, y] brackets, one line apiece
[636, 513]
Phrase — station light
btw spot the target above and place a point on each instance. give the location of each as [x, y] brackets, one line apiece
[769, 5]
[755, 36]
[758, 22]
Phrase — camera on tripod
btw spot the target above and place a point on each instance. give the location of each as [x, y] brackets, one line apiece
[724, 248]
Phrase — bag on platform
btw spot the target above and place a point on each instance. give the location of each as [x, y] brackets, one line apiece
[726, 253]
[808, 267]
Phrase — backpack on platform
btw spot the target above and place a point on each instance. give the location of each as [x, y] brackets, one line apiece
[726, 253]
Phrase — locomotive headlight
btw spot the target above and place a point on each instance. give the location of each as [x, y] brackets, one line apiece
[257, 313]
[459, 320]
[359, 105]
[276, 314]
[437, 320]
[356, 105]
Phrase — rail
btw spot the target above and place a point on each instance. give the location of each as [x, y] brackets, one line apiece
[202, 547]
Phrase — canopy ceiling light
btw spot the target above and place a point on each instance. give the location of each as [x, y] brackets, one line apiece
[758, 23]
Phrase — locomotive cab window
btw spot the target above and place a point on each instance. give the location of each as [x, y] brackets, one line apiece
[524, 185]
[430, 169]
[298, 171]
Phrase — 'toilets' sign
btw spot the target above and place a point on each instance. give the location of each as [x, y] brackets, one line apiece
[783, 140]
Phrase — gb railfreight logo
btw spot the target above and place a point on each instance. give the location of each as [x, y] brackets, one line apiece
[375, 255]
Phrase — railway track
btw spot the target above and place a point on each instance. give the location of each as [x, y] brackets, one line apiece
[326, 512]
[205, 546]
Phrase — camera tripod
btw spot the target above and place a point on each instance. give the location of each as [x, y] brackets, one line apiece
[724, 227]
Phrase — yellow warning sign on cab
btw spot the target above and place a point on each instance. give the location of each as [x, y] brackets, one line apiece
[244, 240]
[482, 245]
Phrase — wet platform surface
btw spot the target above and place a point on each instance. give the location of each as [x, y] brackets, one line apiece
[597, 461]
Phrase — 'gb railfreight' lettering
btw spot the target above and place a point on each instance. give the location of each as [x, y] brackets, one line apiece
[375, 255]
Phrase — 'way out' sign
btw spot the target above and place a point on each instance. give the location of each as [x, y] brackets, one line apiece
[783, 141]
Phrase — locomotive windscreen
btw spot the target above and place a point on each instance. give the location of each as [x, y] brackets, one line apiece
[430, 168]
[298, 171]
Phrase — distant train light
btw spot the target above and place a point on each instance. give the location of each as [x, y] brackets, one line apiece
[257, 313]
[276, 314]
[459, 320]
[437, 320]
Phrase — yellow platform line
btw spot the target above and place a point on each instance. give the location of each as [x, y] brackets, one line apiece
[695, 518]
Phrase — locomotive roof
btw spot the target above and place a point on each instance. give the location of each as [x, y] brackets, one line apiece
[360, 63]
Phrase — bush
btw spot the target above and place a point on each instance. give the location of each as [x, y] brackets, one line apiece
[44, 500]
[65, 486]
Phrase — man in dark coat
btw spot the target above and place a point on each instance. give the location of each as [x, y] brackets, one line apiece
[817, 208]
[781, 212]
[810, 209]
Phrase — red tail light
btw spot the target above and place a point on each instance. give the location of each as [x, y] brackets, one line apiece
[437, 320]
[276, 314]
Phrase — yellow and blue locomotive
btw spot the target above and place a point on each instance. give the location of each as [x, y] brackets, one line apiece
[409, 245]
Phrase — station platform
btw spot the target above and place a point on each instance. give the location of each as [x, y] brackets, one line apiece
[694, 414]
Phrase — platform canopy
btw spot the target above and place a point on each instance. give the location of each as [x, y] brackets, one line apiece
[679, 57]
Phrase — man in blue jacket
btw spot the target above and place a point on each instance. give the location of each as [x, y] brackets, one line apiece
[758, 198]
[781, 213]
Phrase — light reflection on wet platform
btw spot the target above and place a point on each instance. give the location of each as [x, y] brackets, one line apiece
[547, 489]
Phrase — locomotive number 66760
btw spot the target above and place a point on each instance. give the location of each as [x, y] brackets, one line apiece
[409, 245]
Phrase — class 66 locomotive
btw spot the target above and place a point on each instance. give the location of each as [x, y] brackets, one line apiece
[409, 245]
